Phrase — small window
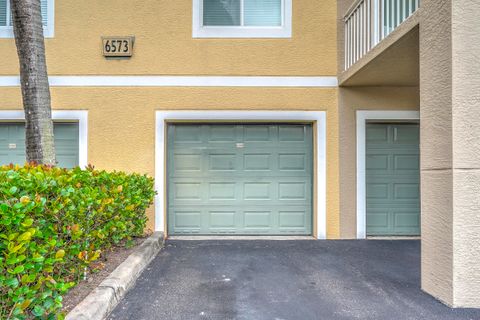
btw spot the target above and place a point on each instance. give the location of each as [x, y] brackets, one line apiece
[242, 18]
[6, 23]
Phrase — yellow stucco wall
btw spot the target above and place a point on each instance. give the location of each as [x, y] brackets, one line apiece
[121, 122]
[121, 126]
[164, 43]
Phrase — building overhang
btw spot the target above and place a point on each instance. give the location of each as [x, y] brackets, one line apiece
[394, 61]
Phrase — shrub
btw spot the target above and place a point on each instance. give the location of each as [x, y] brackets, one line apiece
[54, 223]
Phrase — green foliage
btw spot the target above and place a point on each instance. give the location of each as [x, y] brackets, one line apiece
[54, 223]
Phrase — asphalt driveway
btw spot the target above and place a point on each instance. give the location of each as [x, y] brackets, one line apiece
[276, 280]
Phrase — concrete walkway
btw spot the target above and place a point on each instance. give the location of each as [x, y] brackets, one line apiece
[290, 280]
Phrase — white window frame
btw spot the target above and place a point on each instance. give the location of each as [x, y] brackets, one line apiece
[318, 118]
[201, 31]
[79, 116]
[363, 117]
[48, 30]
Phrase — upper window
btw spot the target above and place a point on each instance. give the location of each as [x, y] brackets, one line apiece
[242, 18]
[6, 23]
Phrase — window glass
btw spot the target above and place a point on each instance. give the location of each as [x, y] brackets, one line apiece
[4, 22]
[262, 12]
[44, 9]
[3, 13]
[221, 13]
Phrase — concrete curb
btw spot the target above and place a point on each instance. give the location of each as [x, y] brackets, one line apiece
[101, 301]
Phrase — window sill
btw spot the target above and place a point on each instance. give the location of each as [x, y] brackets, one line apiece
[7, 32]
[242, 32]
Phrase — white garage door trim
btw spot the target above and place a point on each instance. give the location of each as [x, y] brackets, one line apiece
[318, 117]
[362, 118]
[61, 115]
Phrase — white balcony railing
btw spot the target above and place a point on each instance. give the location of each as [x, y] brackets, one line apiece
[367, 22]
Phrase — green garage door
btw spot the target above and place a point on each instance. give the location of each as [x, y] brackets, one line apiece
[393, 179]
[12, 143]
[240, 179]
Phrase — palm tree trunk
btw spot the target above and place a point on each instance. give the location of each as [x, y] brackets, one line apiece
[28, 30]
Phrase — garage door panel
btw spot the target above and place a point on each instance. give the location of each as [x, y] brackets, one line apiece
[377, 220]
[222, 191]
[258, 133]
[401, 221]
[248, 163]
[258, 161]
[187, 191]
[406, 162]
[393, 179]
[222, 162]
[402, 191]
[186, 220]
[238, 177]
[405, 218]
[201, 191]
[247, 220]
[239, 174]
[406, 134]
[384, 189]
[256, 220]
[292, 133]
[257, 191]
[187, 162]
[185, 134]
[219, 133]
[378, 162]
[378, 191]
[377, 135]
[224, 219]
[293, 162]
[292, 191]
[4, 133]
[293, 219]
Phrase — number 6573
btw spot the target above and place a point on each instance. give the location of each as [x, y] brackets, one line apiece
[116, 46]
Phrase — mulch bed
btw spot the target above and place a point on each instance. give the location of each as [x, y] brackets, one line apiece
[110, 260]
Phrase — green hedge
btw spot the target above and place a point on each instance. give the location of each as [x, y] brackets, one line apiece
[54, 223]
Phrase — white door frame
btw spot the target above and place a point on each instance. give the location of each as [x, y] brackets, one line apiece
[362, 118]
[318, 117]
[80, 116]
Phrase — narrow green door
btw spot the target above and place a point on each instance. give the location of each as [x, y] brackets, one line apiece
[239, 179]
[12, 143]
[393, 179]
